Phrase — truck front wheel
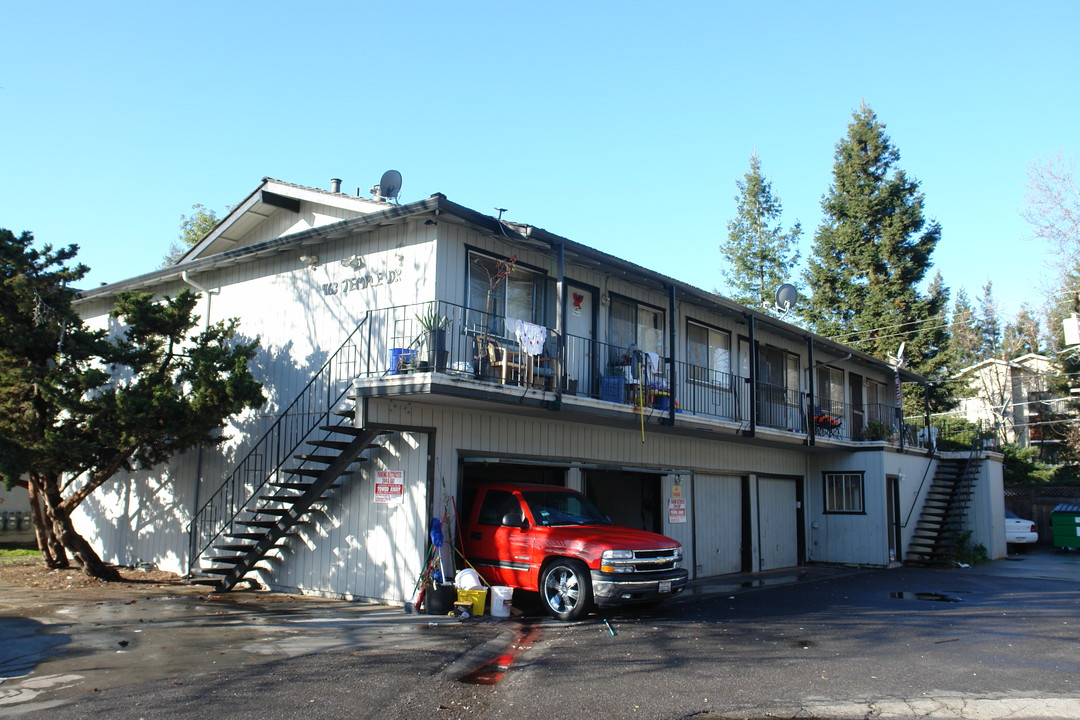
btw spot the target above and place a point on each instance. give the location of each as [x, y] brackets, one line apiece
[566, 589]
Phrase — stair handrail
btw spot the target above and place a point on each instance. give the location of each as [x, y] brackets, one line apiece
[270, 438]
[956, 512]
[918, 493]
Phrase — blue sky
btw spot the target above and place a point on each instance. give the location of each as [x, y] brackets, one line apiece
[621, 125]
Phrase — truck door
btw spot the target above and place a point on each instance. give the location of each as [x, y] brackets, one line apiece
[501, 554]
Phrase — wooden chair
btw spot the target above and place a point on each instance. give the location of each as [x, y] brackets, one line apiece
[507, 363]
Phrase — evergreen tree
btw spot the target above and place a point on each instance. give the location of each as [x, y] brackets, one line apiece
[989, 323]
[872, 251]
[759, 255]
[77, 406]
[1023, 335]
[966, 341]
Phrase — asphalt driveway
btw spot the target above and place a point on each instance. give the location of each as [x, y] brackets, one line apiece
[996, 640]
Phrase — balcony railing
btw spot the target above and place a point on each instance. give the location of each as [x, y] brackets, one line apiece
[446, 338]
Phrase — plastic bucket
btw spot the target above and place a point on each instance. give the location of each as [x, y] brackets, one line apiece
[440, 600]
[468, 579]
[478, 598]
[399, 357]
[501, 596]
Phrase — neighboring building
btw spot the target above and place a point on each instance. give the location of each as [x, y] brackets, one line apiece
[1014, 398]
[755, 443]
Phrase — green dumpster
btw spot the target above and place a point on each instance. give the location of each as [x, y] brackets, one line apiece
[1065, 526]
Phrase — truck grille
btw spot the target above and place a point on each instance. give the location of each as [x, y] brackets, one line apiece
[651, 560]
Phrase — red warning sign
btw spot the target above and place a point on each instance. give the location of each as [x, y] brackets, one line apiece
[389, 486]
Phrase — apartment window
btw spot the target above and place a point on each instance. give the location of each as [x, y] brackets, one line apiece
[830, 390]
[708, 352]
[634, 324]
[844, 493]
[779, 369]
[519, 295]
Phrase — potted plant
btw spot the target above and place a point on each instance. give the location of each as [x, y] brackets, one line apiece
[434, 327]
[876, 430]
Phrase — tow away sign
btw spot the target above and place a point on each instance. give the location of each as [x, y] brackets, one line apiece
[389, 486]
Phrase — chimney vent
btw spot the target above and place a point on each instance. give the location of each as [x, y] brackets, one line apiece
[335, 185]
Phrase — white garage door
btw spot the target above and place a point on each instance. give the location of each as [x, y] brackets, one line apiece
[718, 525]
[778, 525]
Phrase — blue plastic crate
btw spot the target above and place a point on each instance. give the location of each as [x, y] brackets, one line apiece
[613, 388]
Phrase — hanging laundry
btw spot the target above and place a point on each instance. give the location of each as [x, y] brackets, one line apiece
[530, 336]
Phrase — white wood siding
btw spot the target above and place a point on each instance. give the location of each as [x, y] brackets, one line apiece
[358, 548]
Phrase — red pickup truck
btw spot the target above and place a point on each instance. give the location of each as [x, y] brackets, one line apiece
[553, 540]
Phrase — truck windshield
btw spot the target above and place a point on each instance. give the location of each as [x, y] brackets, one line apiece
[563, 508]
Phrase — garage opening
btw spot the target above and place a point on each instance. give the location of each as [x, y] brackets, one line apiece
[633, 499]
[510, 472]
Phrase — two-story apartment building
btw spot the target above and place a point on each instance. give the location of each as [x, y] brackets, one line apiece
[1014, 397]
[407, 349]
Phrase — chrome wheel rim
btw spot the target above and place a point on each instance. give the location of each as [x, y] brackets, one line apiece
[562, 590]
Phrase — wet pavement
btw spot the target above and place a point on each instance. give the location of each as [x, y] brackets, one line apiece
[62, 646]
[63, 649]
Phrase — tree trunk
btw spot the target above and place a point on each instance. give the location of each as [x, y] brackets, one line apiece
[52, 552]
[84, 555]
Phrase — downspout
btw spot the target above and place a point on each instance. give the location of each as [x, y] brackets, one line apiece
[199, 450]
[810, 413]
[753, 376]
[673, 318]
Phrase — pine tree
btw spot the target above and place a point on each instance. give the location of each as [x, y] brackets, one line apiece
[78, 403]
[1023, 335]
[989, 324]
[965, 346]
[759, 255]
[872, 251]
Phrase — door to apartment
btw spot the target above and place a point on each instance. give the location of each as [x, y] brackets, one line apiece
[718, 532]
[742, 383]
[892, 499]
[779, 523]
[581, 365]
[858, 405]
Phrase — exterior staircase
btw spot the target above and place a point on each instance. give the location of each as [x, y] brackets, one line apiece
[944, 511]
[281, 507]
[292, 469]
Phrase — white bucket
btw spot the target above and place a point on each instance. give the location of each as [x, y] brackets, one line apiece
[468, 579]
[501, 596]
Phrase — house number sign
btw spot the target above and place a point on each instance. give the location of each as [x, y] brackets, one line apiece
[369, 280]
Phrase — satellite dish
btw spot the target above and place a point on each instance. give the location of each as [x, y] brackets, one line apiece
[389, 186]
[786, 297]
[898, 361]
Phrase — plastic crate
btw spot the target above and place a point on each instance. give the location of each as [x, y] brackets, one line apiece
[478, 598]
[613, 388]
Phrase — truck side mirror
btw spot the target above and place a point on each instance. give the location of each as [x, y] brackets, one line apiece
[514, 519]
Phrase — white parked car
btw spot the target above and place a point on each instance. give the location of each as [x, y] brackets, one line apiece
[1018, 530]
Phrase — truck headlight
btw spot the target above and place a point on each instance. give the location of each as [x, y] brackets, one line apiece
[617, 568]
[618, 555]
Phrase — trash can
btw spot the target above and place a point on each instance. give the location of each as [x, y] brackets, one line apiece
[1065, 526]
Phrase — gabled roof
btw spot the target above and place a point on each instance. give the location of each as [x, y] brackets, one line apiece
[1028, 362]
[269, 199]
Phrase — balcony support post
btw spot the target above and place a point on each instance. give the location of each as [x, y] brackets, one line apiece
[672, 378]
[810, 411]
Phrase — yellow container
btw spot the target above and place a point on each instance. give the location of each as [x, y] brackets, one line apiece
[478, 598]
